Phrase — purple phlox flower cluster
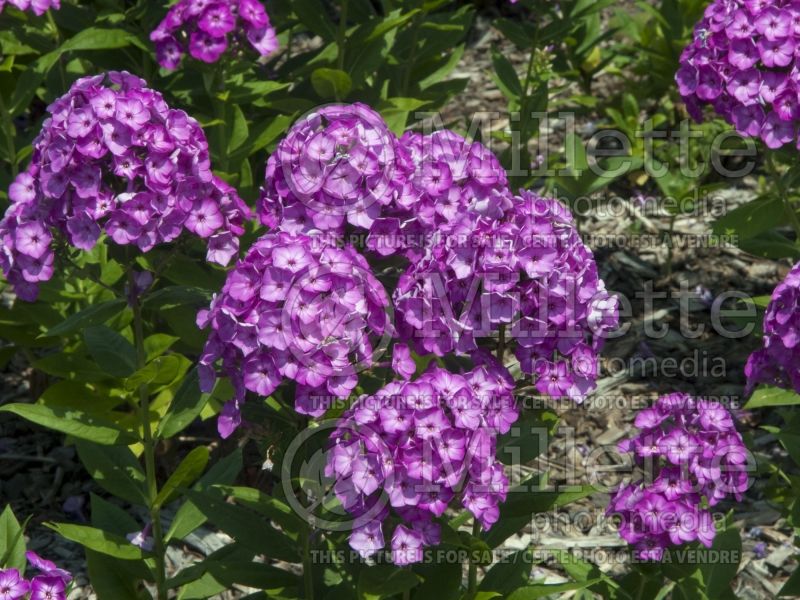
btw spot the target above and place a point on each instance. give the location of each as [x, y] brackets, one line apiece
[114, 157]
[528, 271]
[451, 177]
[341, 167]
[743, 62]
[50, 584]
[400, 457]
[298, 309]
[777, 362]
[697, 459]
[208, 27]
[39, 7]
[337, 166]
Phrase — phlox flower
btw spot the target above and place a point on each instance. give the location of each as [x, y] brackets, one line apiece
[208, 29]
[698, 459]
[114, 158]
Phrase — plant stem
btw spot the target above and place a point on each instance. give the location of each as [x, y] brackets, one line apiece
[670, 245]
[412, 55]
[472, 577]
[221, 114]
[148, 443]
[308, 580]
[8, 130]
[57, 37]
[784, 194]
[340, 38]
[525, 113]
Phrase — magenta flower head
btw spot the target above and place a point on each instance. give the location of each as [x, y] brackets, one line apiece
[524, 268]
[113, 157]
[12, 585]
[295, 308]
[451, 176]
[48, 568]
[38, 7]
[47, 587]
[743, 63]
[338, 167]
[207, 28]
[694, 458]
[400, 457]
[777, 362]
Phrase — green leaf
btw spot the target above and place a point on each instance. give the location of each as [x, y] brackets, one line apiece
[718, 574]
[98, 540]
[228, 568]
[541, 591]
[313, 15]
[792, 586]
[521, 34]
[331, 83]
[115, 469]
[442, 581]
[527, 439]
[185, 475]
[757, 216]
[523, 502]
[108, 580]
[532, 592]
[239, 130]
[93, 315]
[261, 136]
[115, 355]
[71, 366]
[392, 21]
[162, 370]
[507, 78]
[278, 511]
[245, 526]
[770, 244]
[189, 517]
[508, 574]
[12, 541]
[158, 343]
[184, 408]
[72, 422]
[96, 38]
[772, 396]
[111, 517]
[113, 577]
[383, 581]
[204, 587]
[253, 90]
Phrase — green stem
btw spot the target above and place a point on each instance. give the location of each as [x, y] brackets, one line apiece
[149, 444]
[472, 577]
[784, 194]
[308, 580]
[340, 38]
[8, 130]
[57, 37]
[412, 55]
[220, 113]
[525, 115]
[670, 244]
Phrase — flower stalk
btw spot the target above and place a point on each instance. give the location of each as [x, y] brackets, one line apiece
[149, 443]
